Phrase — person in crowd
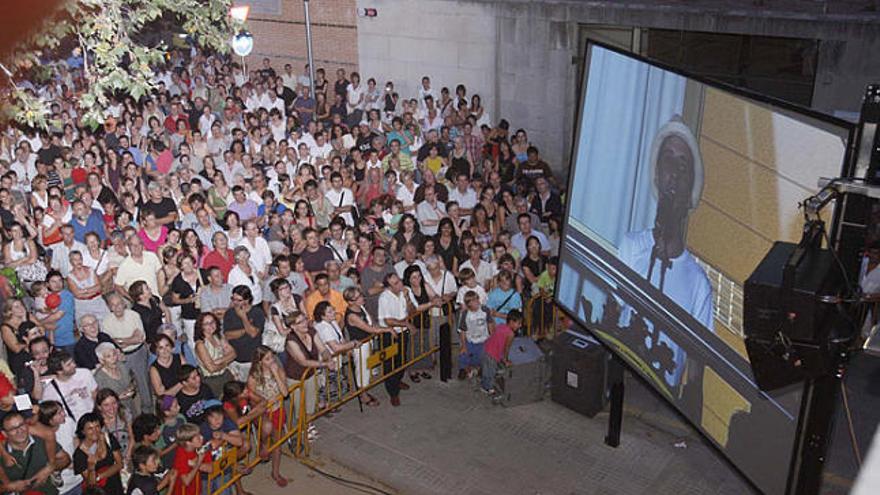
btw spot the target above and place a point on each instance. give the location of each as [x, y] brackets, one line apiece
[267, 384]
[127, 331]
[335, 228]
[116, 420]
[393, 309]
[86, 288]
[165, 370]
[73, 387]
[215, 296]
[98, 459]
[243, 326]
[113, 374]
[32, 464]
[306, 354]
[475, 324]
[214, 353]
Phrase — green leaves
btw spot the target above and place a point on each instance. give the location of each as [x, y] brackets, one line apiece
[116, 62]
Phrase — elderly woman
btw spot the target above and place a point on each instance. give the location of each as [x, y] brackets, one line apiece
[245, 273]
[113, 374]
[86, 288]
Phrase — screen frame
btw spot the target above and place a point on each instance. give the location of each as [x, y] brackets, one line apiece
[789, 109]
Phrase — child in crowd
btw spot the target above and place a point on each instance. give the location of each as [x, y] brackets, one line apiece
[469, 283]
[392, 217]
[147, 432]
[219, 433]
[39, 291]
[547, 279]
[190, 458]
[474, 325]
[146, 463]
[168, 410]
[496, 350]
[236, 403]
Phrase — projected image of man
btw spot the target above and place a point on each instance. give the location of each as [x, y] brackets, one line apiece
[660, 254]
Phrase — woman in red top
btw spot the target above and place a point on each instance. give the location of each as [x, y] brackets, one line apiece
[222, 257]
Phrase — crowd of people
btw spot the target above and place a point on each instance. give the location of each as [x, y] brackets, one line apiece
[170, 275]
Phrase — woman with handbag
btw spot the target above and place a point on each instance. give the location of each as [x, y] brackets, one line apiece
[21, 254]
[213, 352]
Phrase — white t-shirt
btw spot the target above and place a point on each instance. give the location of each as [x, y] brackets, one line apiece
[238, 277]
[77, 392]
[329, 331]
[343, 197]
[261, 256]
[466, 200]
[392, 306]
[64, 438]
[464, 289]
[485, 272]
[354, 94]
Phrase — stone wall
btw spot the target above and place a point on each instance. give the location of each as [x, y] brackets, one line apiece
[279, 33]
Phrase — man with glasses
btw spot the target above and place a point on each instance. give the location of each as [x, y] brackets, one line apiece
[90, 337]
[31, 471]
[243, 327]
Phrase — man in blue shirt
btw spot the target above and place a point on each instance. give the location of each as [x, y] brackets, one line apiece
[85, 220]
[64, 316]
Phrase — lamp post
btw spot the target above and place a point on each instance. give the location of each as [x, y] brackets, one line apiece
[243, 42]
[309, 47]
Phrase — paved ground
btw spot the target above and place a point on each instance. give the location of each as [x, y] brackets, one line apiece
[304, 480]
[450, 439]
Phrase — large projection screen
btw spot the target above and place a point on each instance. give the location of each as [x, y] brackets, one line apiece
[678, 188]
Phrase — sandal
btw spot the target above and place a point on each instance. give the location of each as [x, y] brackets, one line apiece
[426, 375]
[281, 481]
[372, 401]
[415, 378]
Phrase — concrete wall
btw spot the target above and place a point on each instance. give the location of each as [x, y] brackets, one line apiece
[521, 56]
[516, 59]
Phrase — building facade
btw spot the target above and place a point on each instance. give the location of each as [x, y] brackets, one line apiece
[524, 57]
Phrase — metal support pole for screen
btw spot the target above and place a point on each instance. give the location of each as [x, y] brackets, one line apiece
[309, 48]
[615, 417]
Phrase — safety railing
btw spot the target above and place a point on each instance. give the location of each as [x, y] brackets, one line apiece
[376, 359]
[267, 432]
[357, 371]
[541, 316]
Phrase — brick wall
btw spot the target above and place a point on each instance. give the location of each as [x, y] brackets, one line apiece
[282, 37]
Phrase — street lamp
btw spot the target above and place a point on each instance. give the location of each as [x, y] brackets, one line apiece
[309, 47]
[243, 42]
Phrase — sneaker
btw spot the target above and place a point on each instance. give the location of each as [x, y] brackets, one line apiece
[462, 374]
[472, 373]
[488, 391]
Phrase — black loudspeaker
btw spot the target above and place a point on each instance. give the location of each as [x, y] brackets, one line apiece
[787, 326]
[578, 377]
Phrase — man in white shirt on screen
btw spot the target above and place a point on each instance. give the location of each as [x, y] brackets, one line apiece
[660, 254]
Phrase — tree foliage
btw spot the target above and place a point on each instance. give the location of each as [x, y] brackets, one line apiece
[118, 58]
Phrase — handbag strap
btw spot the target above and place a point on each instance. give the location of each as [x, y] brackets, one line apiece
[63, 400]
